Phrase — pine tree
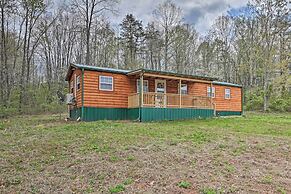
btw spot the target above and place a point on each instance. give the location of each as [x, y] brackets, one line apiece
[132, 37]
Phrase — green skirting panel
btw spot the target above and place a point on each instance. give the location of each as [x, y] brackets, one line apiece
[75, 113]
[133, 113]
[142, 114]
[159, 114]
[228, 113]
[93, 114]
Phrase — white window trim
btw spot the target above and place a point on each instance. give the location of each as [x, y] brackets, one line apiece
[78, 82]
[181, 88]
[106, 83]
[213, 91]
[228, 93]
[137, 88]
[160, 81]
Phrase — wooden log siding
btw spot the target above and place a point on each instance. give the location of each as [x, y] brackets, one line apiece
[222, 104]
[94, 97]
[78, 98]
[124, 85]
[232, 104]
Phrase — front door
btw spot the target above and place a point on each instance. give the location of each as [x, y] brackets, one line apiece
[160, 88]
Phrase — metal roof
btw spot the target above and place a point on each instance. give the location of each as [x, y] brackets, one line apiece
[172, 74]
[104, 69]
[93, 68]
[226, 84]
[133, 72]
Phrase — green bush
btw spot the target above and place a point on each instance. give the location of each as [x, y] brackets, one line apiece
[254, 100]
[281, 103]
[7, 112]
[37, 100]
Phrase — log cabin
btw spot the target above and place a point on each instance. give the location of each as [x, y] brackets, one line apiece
[100, 93]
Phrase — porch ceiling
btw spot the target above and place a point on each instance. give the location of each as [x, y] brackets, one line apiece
[171, 75]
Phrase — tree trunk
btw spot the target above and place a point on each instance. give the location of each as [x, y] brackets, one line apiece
[5, 73]
[22, 84]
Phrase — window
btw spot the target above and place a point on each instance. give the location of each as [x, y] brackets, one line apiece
[227, 93]
[209, 92]
[106, 83]
[184, 89]
[145, 85]
[78, 83]
[72, 87]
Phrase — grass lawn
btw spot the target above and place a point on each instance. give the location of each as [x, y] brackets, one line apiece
[43, 154]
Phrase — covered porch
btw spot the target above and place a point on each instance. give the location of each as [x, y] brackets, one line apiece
[168, 91]
[168, 100]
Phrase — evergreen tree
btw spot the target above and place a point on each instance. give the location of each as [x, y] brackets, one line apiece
[132, 37]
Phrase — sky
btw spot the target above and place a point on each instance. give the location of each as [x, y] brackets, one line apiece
[200, 13]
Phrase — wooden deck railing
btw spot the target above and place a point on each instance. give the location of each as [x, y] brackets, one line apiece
[133, 100]
[151, 99]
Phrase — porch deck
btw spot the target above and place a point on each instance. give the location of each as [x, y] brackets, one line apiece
[169, 100]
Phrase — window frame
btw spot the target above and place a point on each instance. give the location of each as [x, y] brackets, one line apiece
[78, 83]
[227, 89]
[209, 90]
[181, 89]
[137, 86]
[100, 83]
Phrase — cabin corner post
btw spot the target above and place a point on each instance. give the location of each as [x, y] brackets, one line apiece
[140, 96]
[211, 98]
[242, 100]
[180, 93]
[141, 89]
[68, 106]
[82, 113]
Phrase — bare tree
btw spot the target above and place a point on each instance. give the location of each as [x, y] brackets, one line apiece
[89, 11]
[168, 15]
[273, 20]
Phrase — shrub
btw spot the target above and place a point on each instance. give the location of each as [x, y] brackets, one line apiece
[7, 111]
[254, 100]
[281, 103]
[184, 184]
[118, 188]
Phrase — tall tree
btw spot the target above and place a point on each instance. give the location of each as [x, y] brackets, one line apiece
[274, 19]
[153, 43]
[184, 48]
[168, 15]
[89, 10]
[7, 7]
[32, 13]
[223, 35]
[132, 36]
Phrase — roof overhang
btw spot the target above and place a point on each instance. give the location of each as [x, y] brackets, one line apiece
[70, 71]
[74, 66]
[171, 75]
[226, 84]
[149, 73]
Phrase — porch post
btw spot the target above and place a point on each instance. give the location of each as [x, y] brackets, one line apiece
[211, 98]
[141, 90]
[82, 113]
[180, 93]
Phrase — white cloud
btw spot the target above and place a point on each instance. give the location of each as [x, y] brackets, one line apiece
[200, 13]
